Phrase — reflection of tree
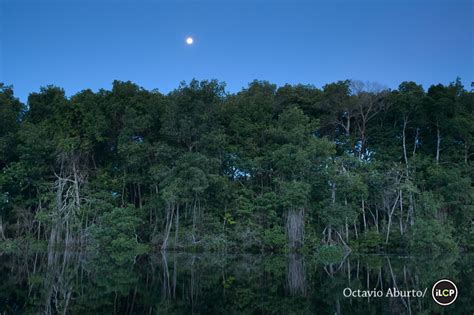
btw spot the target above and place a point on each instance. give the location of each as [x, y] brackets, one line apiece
[166, 289]
[296, 277]
[182, 283]
[59, 280]
[179, 283]
[406, 302]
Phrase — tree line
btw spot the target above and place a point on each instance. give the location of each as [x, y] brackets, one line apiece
[268, 168]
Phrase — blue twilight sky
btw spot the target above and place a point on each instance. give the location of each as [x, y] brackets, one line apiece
[88, 44]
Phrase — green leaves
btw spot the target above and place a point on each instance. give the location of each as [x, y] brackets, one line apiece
[226, 169]
[116, 231]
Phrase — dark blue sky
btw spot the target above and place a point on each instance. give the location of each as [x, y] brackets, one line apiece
[88, 44]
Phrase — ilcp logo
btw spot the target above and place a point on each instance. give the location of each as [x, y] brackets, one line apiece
[444, 292]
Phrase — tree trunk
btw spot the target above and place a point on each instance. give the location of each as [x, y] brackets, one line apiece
[169, 221]
[466, 152]
[438, 143]
[401, 213]
[2, 235]
[362, 143]
[347, 232]
[139, 196]
[176, 231]
[295, 228]
[194, 218]
[355, 230]
[363, 215]
[415, 142]
[348, 125]
[411, 210]
[390, 214]
[405, 122]
[39, 230]
[333, 201]
[76, 183]
[69, 182]
[388, 228]
[377, 219]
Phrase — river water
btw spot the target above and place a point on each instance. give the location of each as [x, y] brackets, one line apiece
[187, 283]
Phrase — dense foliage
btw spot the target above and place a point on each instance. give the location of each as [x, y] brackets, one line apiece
[266, 169]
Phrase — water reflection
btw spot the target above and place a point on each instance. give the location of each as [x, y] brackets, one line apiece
[183, 283]
[296, 275]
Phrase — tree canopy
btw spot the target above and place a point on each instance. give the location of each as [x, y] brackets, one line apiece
[266, 169]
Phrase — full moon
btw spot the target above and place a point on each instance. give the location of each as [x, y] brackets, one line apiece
[189, 40]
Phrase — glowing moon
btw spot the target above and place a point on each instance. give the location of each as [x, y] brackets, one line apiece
[189, 40]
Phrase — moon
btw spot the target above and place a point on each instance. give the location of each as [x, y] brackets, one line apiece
[189, 40]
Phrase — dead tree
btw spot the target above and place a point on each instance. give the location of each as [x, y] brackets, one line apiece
[67, 188]
[370, 100]
[295, 228]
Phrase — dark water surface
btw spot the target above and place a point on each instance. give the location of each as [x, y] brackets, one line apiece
[183, 283]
